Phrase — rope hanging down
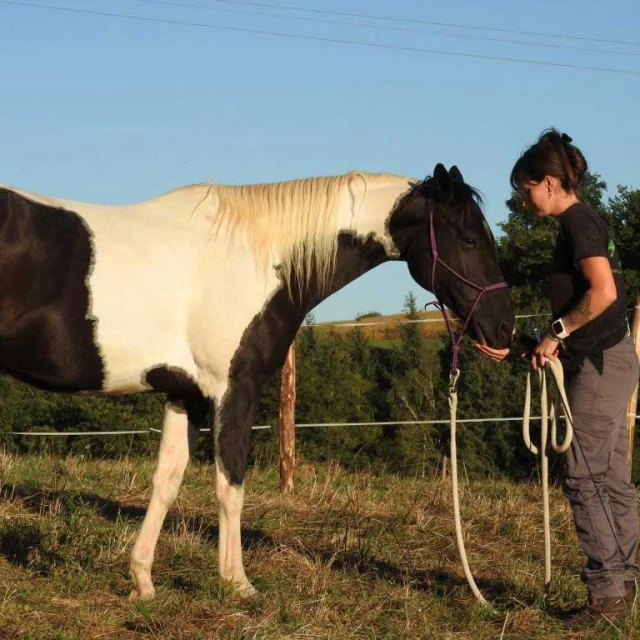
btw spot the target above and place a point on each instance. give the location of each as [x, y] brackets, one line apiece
[556, 369]
[453, 409]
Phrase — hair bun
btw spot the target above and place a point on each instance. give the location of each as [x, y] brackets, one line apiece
[552, 155]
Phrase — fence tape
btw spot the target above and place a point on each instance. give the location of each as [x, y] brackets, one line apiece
[387, 322]
[75, 433]
[268, 426]
[419, 320]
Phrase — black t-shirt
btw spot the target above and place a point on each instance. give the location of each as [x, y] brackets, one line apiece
[582, 234]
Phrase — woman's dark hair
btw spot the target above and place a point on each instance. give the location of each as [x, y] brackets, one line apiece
[553, 155]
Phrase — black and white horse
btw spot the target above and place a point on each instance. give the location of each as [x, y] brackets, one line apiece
[199, 293]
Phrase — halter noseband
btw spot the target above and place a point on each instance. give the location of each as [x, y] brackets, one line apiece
[456, 341]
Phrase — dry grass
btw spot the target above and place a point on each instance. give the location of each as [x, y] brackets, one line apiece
[373, 330]
[348, 556]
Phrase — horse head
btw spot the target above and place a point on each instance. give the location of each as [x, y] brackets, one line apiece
[440, 216]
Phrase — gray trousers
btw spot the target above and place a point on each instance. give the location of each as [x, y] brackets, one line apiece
[597, 481]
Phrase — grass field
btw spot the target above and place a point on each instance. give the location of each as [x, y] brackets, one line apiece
[346, 556]
[385, 328]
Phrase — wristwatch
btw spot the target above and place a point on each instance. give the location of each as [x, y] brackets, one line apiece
[559, 330]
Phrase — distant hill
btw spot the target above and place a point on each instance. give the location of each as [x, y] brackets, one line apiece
[386, 327]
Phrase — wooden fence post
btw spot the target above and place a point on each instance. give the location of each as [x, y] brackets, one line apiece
[633, 403]
[287, 421]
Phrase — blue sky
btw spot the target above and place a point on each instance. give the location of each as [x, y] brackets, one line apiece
[110, 110]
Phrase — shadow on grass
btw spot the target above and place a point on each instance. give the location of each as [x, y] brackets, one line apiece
[18, 546]
[22, 544]
[437, 582]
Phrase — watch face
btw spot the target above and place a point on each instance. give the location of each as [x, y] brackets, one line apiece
[557, 327]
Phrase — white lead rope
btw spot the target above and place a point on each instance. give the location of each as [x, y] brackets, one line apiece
[453, 408]
[556, 369]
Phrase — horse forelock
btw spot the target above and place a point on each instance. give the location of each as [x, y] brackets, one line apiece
[460, 194]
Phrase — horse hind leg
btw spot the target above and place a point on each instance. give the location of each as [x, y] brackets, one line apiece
[167, 477]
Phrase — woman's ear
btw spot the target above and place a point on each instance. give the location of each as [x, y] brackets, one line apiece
[551, 183]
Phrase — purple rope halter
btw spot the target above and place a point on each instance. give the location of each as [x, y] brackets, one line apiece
[456, 341]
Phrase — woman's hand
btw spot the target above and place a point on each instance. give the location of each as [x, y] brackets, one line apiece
[547, 349]
[497, 355]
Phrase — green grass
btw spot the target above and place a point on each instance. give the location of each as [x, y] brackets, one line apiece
[346, 556]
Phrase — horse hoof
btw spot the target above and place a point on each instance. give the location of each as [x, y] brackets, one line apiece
[246, 590]
[142, 594]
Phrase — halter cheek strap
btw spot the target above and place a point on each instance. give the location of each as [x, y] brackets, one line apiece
[456, 340]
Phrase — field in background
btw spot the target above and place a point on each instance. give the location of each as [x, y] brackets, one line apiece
[347, 556]
[373, 328]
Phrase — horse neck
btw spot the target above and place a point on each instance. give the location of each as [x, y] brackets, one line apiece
[373, 199]
[364, 241]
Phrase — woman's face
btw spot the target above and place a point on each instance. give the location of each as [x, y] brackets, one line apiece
[537, 197]
[547, 197]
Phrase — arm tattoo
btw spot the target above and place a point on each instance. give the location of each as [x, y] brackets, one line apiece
[582, 313]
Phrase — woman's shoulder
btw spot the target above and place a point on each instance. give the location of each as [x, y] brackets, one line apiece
[580, 215]
[582, 228]
[579, 209]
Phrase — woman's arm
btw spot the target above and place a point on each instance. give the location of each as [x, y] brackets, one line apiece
[600, 295]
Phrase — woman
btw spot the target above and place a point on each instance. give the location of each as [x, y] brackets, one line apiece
[589, 333]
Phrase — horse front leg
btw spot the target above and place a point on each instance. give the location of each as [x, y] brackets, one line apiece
[232, 437]
[230, 500]
[167, 477]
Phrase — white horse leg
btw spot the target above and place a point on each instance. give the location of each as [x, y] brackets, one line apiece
[167, 477]
[230, 500]
[234, 409]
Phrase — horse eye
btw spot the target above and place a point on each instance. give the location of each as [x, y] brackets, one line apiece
[469, 242]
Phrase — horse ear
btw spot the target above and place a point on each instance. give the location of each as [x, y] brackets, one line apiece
[455, 174]
[441, 183]
[440, 174]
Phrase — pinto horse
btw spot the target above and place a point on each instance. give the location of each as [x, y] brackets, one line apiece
[199, 293]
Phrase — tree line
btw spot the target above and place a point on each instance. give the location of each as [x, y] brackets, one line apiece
[343, 376]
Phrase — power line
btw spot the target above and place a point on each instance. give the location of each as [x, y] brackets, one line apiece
[461, 36]
[319, 39]
[427, 22]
